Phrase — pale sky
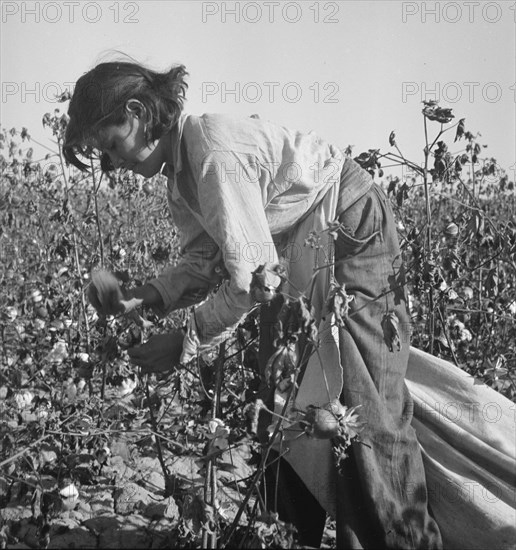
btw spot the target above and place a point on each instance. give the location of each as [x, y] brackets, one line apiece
[351, 71]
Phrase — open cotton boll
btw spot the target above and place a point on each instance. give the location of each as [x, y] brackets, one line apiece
[11, 313]
[23, 399]
[127, 386]
[69, 495]
[69, 491]
[102, 455]
[69, 390]
[58, 353]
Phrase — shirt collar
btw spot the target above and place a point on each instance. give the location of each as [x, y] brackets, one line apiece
[174, 167]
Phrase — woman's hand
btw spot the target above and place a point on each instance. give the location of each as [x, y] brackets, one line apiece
[105, 293]
[108, 297]
[160, 353]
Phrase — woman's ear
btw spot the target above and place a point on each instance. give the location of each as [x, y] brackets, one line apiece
[135, 108]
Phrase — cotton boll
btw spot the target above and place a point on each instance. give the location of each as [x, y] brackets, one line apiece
[69, 496]
[103, 455]
[39, 324]
[465, 335]
[11, 313]
[127, 386]
[467, 293]
[36, 296]
[58, 353]
[70, 390]
[23, 399]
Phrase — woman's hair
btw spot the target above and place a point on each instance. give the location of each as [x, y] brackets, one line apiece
[99, 100]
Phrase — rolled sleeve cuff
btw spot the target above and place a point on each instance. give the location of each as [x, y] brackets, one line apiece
[217, 318]
[166, 298]
[185, 285]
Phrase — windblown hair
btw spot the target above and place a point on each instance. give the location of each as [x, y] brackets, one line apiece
[100, 96]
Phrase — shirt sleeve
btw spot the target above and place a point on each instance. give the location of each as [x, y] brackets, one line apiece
[189, 282]
[231, 203]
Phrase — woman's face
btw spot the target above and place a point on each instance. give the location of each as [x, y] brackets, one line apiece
[127, 147]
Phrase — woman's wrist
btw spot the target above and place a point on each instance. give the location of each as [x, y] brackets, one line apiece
[146, 295]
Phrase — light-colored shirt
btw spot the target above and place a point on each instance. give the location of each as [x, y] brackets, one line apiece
[235, 186]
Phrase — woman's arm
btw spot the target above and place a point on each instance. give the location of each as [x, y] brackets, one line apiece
[232, 208]
[234, 216]
[199, 271]
[145, 295]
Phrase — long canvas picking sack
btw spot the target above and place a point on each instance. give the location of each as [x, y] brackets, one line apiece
[467, 433]
[466, 430]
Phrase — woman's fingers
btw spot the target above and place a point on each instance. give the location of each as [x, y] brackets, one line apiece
[130, 304]
[104, 293]
[93, 297]
[136, 353]
[159, 367]
[160, 353]
[148, 363]
[142, 362]
[147, 369]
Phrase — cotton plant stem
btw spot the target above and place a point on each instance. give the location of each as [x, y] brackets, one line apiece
[250, 524]
[472, 310]
[143, 431]
[23, 451]
[169, 405]
[155, 428]
[213, 536]
[37, 442]
[472, 172]
[264, 460]
[61, 162]
[400, 161]
[235, 480]
[209, 539]
[324, 374]
[83, 301]
[254, 483]
[487, 345]
[97, 216]
[215, 413]
[429, 240]
[450, 343]
[76, 249]
[479, 289]
[104, 362]
[207, 480]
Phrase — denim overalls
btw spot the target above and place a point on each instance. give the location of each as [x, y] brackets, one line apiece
[381, 493]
